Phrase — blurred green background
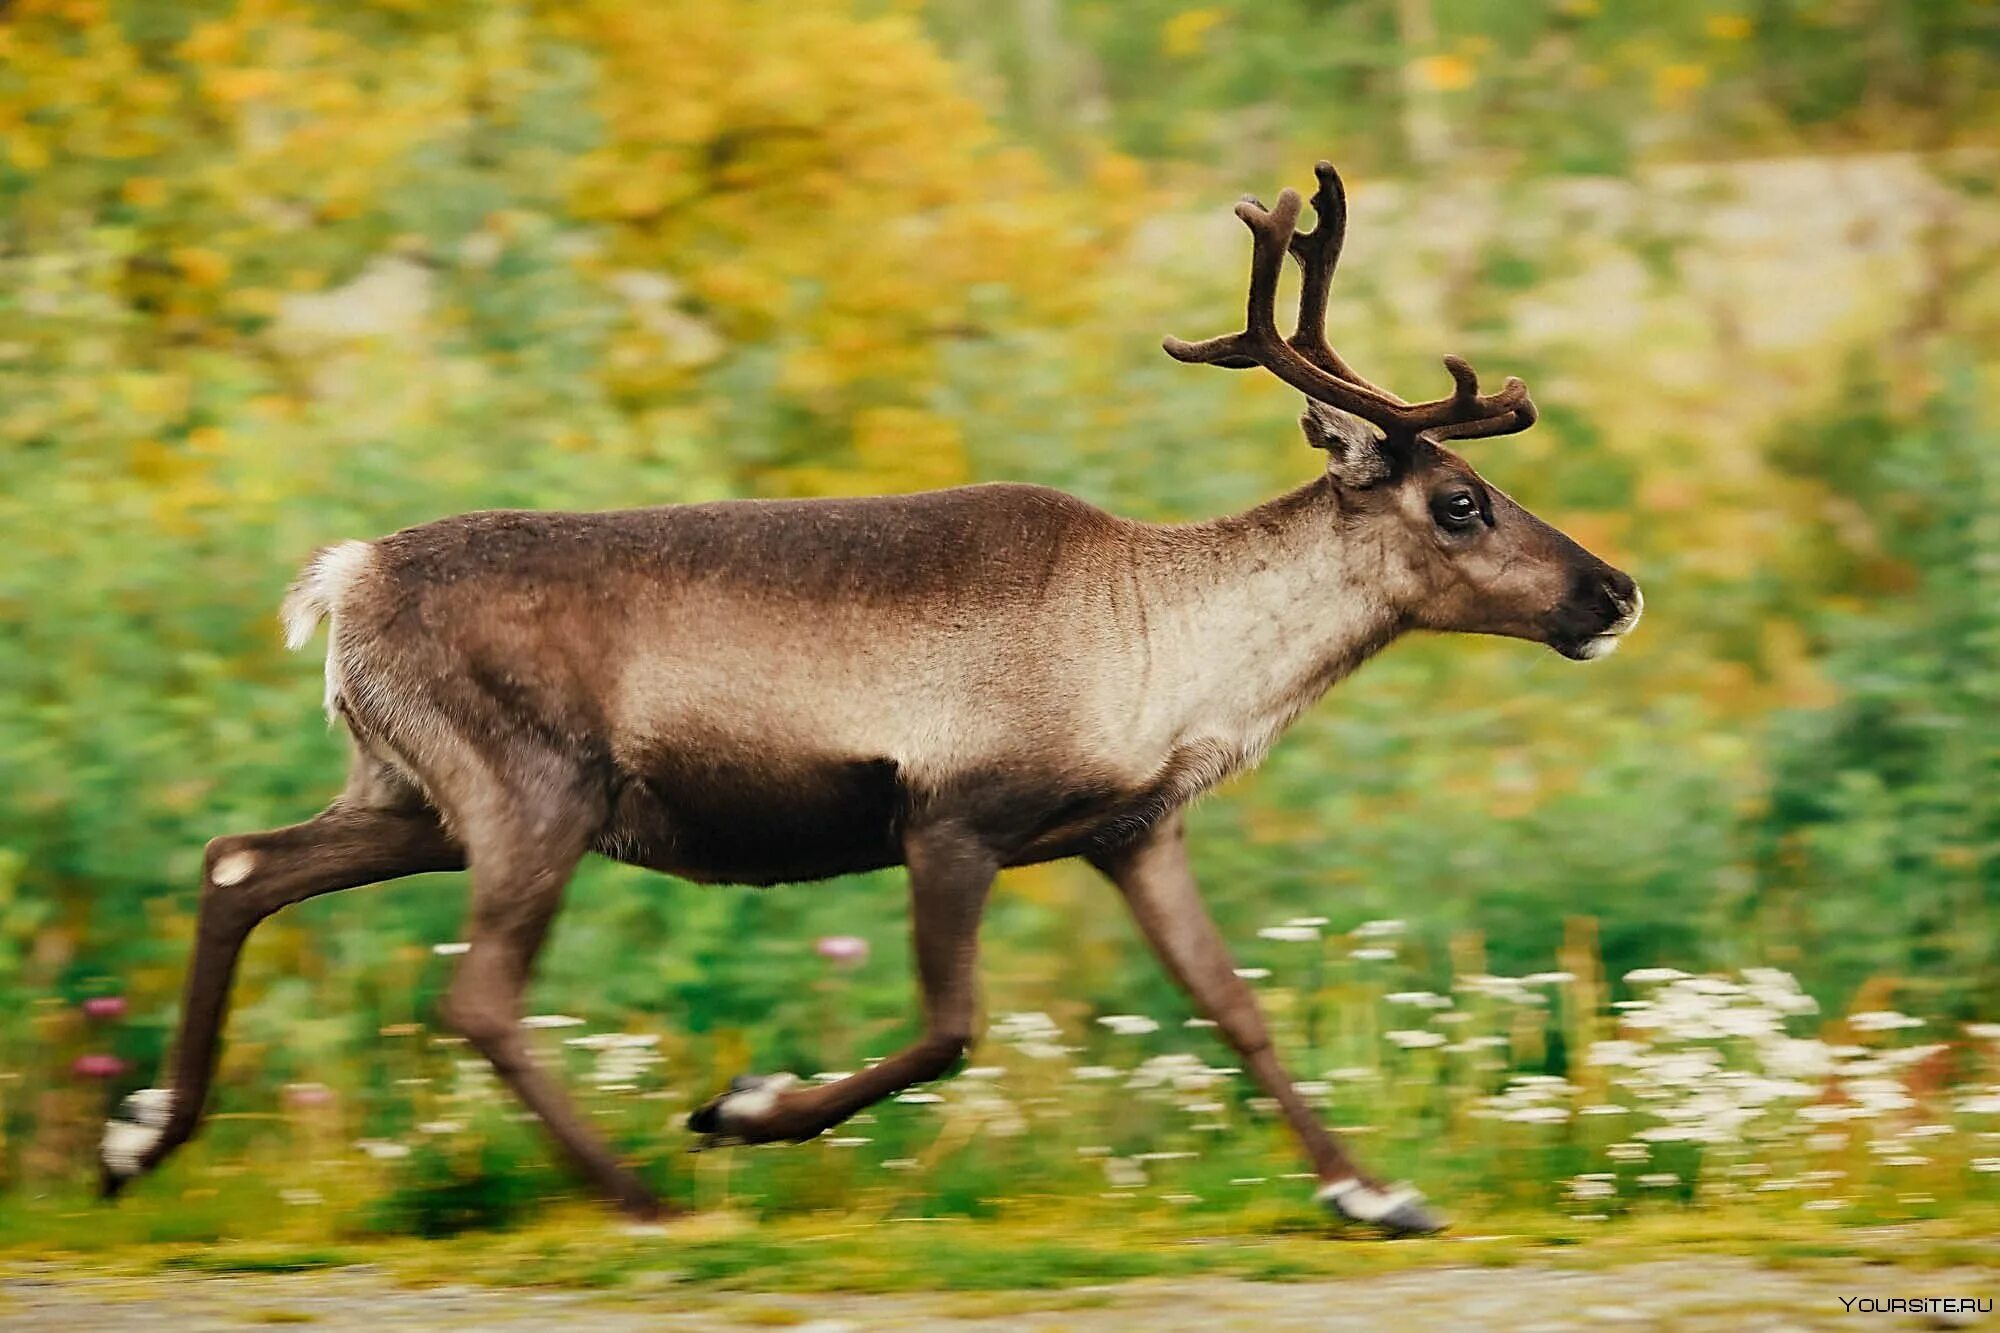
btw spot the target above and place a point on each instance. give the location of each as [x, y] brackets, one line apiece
[275, 273]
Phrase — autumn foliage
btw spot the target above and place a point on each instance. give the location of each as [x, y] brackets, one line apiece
[279, 272]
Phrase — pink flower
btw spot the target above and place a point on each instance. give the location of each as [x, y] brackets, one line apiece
[97, 1066]
[842, 950]
[104, 1006]
[308, 1094]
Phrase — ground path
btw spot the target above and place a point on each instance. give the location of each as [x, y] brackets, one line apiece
[1694, 1293]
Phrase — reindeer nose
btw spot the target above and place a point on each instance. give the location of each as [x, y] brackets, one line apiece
[1624, 590]
[1598, 590]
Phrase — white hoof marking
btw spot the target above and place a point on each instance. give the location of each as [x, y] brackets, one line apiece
[753, 1102]
[1362, 1202]
[133, 1130]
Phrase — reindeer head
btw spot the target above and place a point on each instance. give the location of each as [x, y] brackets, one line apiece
[1457, 553]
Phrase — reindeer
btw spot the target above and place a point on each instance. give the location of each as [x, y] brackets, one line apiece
[759, 692]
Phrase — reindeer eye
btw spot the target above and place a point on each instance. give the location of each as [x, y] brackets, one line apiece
[1457, 511]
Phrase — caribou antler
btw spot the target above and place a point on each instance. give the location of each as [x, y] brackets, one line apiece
[1308, 364]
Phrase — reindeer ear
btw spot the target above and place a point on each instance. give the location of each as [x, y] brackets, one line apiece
[1354, 452]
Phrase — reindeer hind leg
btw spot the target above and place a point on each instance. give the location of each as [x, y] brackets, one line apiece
[378, 828]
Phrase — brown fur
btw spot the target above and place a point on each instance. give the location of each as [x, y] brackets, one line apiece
[763, 691]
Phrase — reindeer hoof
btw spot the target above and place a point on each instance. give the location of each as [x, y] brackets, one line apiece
[1400, 1211]
[130, 1136]
[733, 1117]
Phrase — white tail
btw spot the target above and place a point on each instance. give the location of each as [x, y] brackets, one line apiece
[315, 596]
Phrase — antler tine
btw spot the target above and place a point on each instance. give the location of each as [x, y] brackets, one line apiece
[1259, 343]
[1270, 230]
[1523, 416]
[1318, 253]
[1305, 362]
[1465, 383]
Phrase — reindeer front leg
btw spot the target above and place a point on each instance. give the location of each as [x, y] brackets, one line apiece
[950, 872]
[1158, 883]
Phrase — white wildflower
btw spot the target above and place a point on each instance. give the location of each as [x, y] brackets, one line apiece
[1421, 998]
[1667, 1134]
[1539, 1115]
[1613, 1053]
[1596, 1186]
[1129, 1025]
[1828, 1113]
[1411, 1039]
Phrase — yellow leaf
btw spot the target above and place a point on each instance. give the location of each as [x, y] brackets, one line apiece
[144, 191]
[201, 267]
[260, 301]
[26, 151]
[1729, 27]
[209, 44]
[242, 85]
[1445, 73]
[1186, 33]
[909, 448]
[1674, 84]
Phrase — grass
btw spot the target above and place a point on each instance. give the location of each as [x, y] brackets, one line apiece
[1033, 1259]
[1068, 1160]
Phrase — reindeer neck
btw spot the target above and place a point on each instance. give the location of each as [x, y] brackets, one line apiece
[1264, 612]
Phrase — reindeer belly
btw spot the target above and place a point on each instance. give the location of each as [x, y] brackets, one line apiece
[750, 823]
[746, 823]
